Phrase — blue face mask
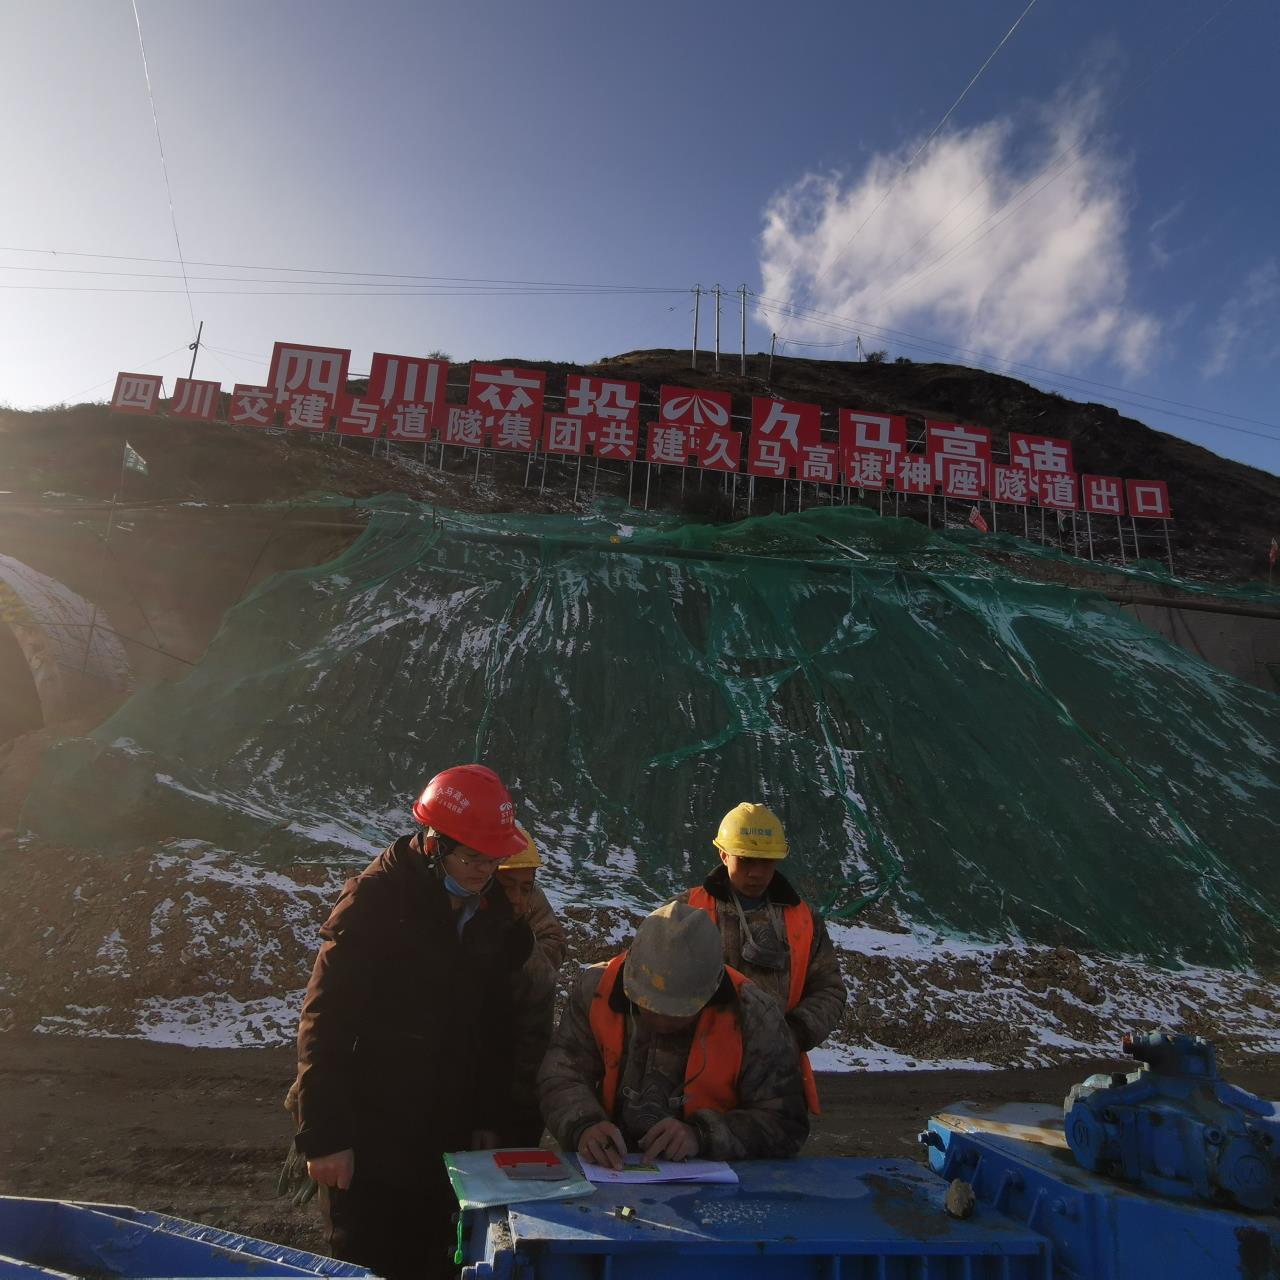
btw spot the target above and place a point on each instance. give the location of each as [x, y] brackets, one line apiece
[453, 887]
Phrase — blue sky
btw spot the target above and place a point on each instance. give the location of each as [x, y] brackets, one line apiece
[656, 146]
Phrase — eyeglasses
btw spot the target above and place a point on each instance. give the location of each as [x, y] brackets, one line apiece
[466, 860]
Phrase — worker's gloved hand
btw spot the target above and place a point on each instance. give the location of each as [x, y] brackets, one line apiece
[670, 1139]
[603, 1144]
[294, 1180]
[334, 1170]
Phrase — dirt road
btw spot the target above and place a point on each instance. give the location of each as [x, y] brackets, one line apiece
[201, 1132]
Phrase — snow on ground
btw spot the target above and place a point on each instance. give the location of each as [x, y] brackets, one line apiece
[188, 944]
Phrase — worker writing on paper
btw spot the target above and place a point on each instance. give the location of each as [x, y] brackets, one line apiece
[666, 1051]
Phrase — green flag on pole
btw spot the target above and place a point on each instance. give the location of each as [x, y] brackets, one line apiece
[133, 460]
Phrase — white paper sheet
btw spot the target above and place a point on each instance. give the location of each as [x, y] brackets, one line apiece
[638, 1170]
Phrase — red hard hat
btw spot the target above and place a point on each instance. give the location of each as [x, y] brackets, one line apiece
[469, 804]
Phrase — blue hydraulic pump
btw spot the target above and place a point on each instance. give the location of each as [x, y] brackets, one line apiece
[1176, 1127]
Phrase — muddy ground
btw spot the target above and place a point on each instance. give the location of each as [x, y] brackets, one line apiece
[201, 1132]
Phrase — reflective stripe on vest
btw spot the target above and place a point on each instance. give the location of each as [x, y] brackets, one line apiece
[715, 1057]
[798, 921]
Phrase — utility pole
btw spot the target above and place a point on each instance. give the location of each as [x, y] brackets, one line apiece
[194, 348]
[717, 328]
[773, 344]
[858, 347]
[697, 305]
[743, 291]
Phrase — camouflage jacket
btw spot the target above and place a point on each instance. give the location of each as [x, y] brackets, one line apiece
[535, 999]
[770, 1120]
[818, 1013]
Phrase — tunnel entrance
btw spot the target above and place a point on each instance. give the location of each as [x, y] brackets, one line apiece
[20, 710]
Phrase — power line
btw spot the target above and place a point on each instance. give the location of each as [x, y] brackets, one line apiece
[477, 288]
[327, 271]
[902, 173]
[145, 364]
[389, 291]
[1075, 150]
[164, 167]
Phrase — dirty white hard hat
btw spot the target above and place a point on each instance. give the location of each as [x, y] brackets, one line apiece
[676, 961]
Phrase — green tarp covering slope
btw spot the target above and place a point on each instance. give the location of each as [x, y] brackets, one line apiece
[1008, 758]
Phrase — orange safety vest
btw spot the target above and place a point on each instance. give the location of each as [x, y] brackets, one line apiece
[715, 1057]
[798, 921]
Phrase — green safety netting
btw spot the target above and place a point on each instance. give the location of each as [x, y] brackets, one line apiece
[1007, 757]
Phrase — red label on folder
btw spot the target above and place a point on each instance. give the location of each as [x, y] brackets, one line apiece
[514, 1159]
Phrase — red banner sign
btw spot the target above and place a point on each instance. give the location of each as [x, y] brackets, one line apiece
[406, 400]
[780, 429]
[719, 449]
[960, 456]
[509, 402]
[1012, 484]
[867, 468]
[1103, 495]
[885, 435]
[607, 413]
[252, 406]
[194, 400]
[410, 393]
[1148, 499]
[308, 382]
[136, 393]
[1040, 453]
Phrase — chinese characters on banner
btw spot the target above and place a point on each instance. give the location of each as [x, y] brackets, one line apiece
[251, 407]
[194, 400]
[136, 393]
[598, 413]
[959, 457]
[1012, 484]
[1148, 499]
[504, 408]
[781, 432]
[693, 422]
[411, 394]
[1103, 495]
[870, 446]
[308, 383]
[306, 389]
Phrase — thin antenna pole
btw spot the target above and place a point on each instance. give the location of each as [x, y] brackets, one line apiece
[697, 306]
[743, 291]
[717, 328]
[194, 348]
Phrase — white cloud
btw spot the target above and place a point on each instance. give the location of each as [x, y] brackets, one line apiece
[1048, 285]
[1246, 315]
[1160, 254]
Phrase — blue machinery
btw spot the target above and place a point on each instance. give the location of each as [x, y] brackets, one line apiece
[40, 1239]
[1147, 1179]
[1167, 1172]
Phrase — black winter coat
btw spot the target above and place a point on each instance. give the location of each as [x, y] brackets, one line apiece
[405, 1043]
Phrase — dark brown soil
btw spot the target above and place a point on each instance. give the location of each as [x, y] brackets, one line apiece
[201, 1133]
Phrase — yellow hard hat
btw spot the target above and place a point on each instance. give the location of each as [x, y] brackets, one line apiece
[527, 857]
[751, 831]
